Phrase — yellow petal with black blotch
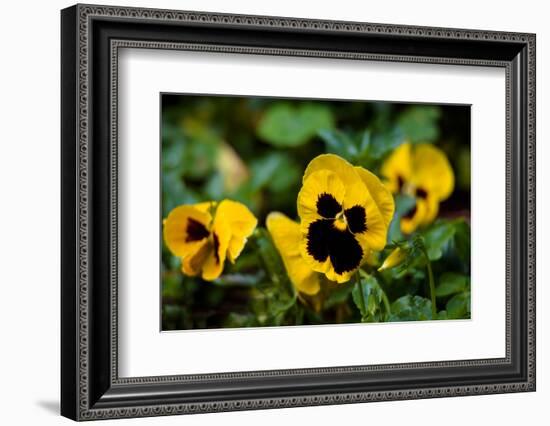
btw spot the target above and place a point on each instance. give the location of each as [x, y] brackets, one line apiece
[415, 218]
[354, 186]
[322, 195]
[241, 224]
[339, 278]
[286, 236]
[380, 194]
[214, 262]
[185, 228]
[192, 263]
[330, 250]
[432, 171]
[397, 168]
[432, 208]
[376, 232]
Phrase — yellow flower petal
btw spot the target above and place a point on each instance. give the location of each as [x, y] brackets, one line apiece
[432, 208]
[397, 168]
[192, 263]
[344, 277]
[354, 186]
[409, 224]
[241, 222]
[375, 236]
[432, 171]
[321, 195]
[380, 194]
[336, 242]
[214, 262]
[286, 236]
[185, 228]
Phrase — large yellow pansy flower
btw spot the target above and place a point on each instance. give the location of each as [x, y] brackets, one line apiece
[205, 234]
[286, 236]
[345, 212]
[423, 172]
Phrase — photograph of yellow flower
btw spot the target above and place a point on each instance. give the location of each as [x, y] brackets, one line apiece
[287, 212]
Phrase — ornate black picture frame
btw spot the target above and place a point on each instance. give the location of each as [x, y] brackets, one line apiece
[91, 36]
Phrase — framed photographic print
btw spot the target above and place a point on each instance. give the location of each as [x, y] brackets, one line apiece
[264, 212]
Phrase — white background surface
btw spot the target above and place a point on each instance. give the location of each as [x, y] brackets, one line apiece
[29, 224]
[146, 352]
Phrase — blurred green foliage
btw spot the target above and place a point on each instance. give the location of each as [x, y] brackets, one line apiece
[255, 150]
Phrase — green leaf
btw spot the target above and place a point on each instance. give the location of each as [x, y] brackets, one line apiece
[338, 295]
[411, 308]
[173, 156]
[381, 144]
[172, 287]
[214, 187]
[462, 240]
[174, 192]
[272, 261]
[274, 171]
[364, 143]
[338, 142]
[279, 293]
[438, 237]
[451, 283]
[403, 204]
[239, 280]
[235, 320]
[368, 296]
[458, 307]
[419, 123]
[442, 315]
[285, 125]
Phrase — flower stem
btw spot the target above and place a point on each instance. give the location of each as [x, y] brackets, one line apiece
[358, 281]
[432, 285]
[386, 302]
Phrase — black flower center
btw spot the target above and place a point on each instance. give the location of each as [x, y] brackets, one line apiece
[196, 231]
[327, 206]
[324, 240]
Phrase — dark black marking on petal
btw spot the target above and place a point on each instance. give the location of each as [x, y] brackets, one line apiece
[421, 193]
[400, 183]
[327, 206]
[410, 214]
[317, 239]
[216, 247]
[357, 219]
[345, 251]
[196, 231]
[324, 240]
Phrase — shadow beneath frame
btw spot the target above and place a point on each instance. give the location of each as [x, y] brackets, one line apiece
[50, 406]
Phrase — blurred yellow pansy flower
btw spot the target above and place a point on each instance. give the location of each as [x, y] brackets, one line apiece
[423, 172]
[205, 234]
[345, 212]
